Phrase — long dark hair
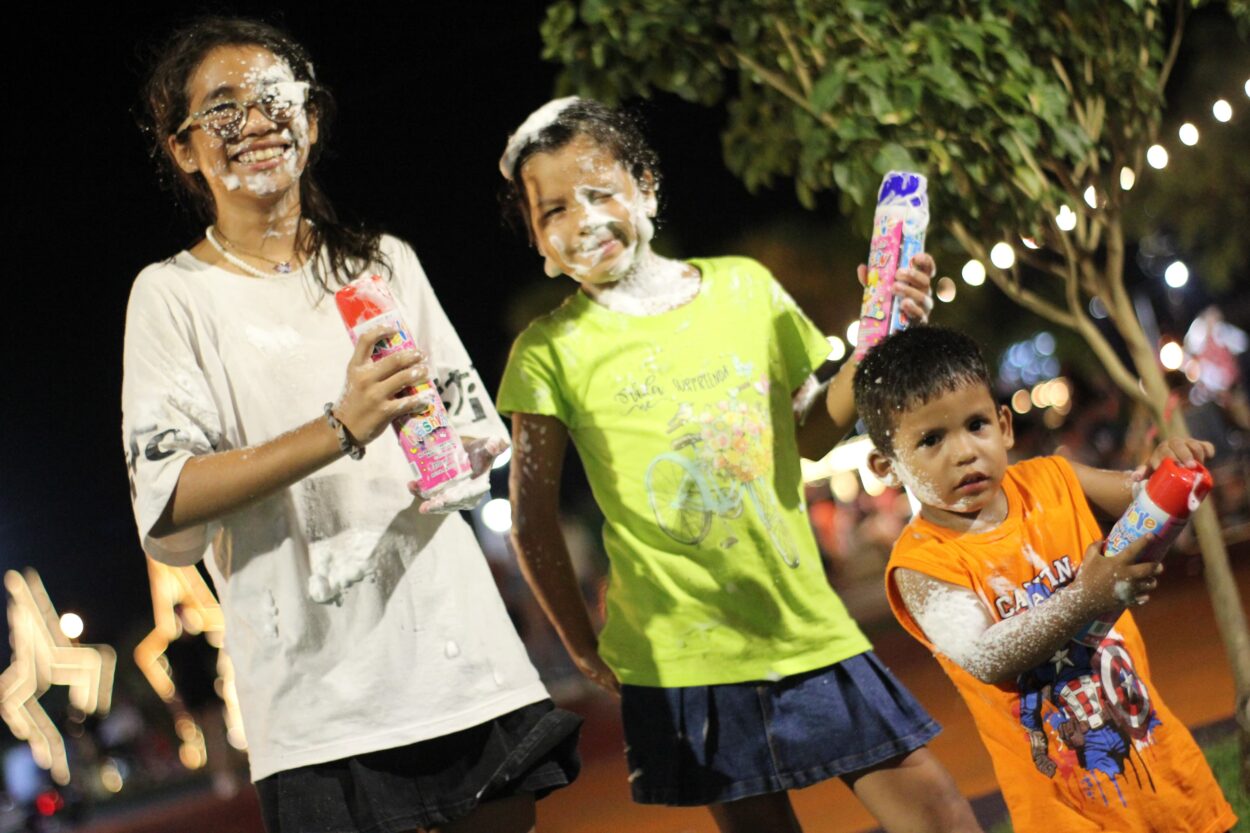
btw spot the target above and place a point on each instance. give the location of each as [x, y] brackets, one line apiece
[341, 250]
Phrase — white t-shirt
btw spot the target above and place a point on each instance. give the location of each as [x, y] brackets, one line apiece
[354, 622]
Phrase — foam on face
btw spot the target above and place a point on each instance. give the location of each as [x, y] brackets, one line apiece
[535, 123]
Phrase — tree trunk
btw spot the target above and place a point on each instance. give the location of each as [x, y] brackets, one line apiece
[1230, 615]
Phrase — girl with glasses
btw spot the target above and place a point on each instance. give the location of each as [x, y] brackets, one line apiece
[382, 685]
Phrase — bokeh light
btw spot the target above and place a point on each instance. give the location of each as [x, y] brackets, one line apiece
[973, 273]
[1222, 110]
[837, 348]
[1066, 218]
[71, 625]
[1176, 275]
[852, 333]
[1188, 133]
[1002, 255]
[1127, 179]
[497, 515]
[1171, 355]
[945, 290]
[1157, 156]
[1091, 197]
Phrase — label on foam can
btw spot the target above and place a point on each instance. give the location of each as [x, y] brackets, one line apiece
[898, 233]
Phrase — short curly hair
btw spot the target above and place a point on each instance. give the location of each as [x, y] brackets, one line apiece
[910, 368]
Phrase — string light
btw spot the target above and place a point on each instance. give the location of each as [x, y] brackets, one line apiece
[1222, 110]
[1002, 255]
[1176, 275]
[1188, 133]
[1066, 218]
[497, 515]
[852, 333]
[973, 273]
[837, 349]
[1091, 197]
[945, 290]
[1157, 156]
[1127, 179]
[1171, 355]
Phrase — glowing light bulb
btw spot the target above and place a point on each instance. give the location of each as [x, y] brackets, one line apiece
[1157, 156]
[945, 290]
[497, 515]
[71, 625]
[1127, 179]
[1029, 242]
[1066, 219]
[837, 348]
[1171, 355]
[1188, 133]
[503, 459]
[1002, 255]
[974, 273]
[1222, 110]
[1176, 275]
[1091, 197]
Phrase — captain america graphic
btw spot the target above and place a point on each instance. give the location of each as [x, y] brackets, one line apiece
[1099, 708]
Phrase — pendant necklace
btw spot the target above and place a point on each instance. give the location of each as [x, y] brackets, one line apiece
[280, 266]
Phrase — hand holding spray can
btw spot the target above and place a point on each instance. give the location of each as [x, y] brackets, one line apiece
[1162, 508]
[427, 437]
[898, 229]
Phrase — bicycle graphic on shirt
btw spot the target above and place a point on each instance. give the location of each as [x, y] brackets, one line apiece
[707, 474]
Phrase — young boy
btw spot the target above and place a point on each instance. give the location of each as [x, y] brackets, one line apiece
[1000, 571]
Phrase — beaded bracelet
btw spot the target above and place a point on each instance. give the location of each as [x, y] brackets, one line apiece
[347, 442]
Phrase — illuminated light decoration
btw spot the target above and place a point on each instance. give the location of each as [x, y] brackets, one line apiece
[1097, 309]
[1171, 355]
[845, 486]
[43, 656]
[1020, 402]
[946, 290]
[497, 515]
[852, 333]
[1188, 133]
[1248, 87]
[1003, 256]
[1091, 197]
[1176, 275]
[111, 777]
[973, 273]
[185, 586]
[1127, 179]
[1066, 218]
[1029, 242]
[71, 625]
[1040, 395]
[1059, 393]
[1157, 157]
[1045, 343]
[1222, 110]
[837, 349]
[503, 459]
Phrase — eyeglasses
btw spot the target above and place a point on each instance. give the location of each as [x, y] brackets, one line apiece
[280, 102]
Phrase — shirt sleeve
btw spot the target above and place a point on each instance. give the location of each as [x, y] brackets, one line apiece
[168, 412]
[804, 347]
[464, 395]
[531, 381]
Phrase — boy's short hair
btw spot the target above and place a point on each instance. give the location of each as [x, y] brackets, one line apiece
[910, 368]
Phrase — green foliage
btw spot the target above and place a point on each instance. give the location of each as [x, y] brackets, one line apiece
[1011, 109]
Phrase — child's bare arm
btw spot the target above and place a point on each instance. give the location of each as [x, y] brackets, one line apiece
[962, 628]
[1112, 491]
[538, 444]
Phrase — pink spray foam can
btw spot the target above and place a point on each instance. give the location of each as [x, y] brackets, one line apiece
[429, 441]
[898, 230]
[1162, 508]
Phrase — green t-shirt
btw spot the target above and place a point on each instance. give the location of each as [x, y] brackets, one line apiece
[684, 423]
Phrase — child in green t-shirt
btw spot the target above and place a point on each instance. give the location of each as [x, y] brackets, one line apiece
[740, 672]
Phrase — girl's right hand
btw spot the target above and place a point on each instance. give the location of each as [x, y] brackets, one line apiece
[1115, 582]
[597, 671]
[369, 401]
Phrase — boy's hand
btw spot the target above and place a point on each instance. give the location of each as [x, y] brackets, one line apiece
[1187, 452]
[1109, 583]
[912, 283]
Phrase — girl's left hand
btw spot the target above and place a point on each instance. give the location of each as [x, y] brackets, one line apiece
[914, 285]
[467, 494]
[1185, 451]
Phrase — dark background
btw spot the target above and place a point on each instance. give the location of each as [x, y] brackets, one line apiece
[427, 95]
[426, 99]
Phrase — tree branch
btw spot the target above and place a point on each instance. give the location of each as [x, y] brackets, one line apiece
[779, 83]
[800, 68]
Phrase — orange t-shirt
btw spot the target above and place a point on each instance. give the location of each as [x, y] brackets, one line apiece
[1114, 758]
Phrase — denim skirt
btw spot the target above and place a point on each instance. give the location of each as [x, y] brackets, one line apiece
[433, 782]
[710, 744]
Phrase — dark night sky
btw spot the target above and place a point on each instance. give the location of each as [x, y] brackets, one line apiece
[426, 100]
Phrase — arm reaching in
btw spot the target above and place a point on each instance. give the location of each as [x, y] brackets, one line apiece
[212, 485]
[539, 443]
[961, 627]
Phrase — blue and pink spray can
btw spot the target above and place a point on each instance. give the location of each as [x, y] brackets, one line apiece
[898, 230]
